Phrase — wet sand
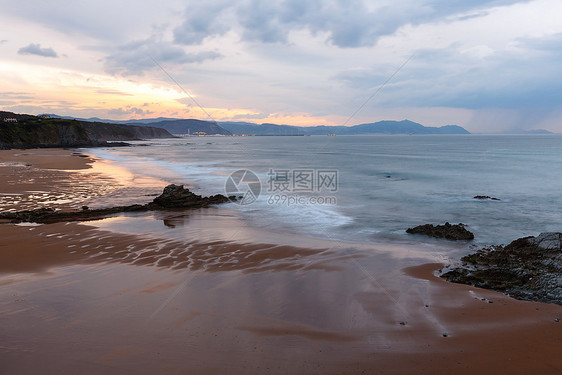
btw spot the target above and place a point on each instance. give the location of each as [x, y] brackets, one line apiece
[67, 179]
[173, 293]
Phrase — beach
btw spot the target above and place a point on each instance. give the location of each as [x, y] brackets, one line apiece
[202, 292]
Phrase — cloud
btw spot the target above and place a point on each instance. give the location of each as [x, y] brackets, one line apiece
[495, 57]
[349, 23]
[138, 56]
[113, 92]
[16, 95]
[255, 116]
[129, 110]
[100, 20]
[3, 41]
[203, 19]
[522, 76]
[35, 49]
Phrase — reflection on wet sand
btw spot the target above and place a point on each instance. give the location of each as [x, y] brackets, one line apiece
[76, 181]
[200, 292]
[110, 310]
[72, 243]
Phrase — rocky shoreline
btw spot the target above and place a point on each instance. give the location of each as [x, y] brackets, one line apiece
[529, 268]
[173, 197]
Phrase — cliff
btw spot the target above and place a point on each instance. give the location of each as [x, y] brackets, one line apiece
[27, 131]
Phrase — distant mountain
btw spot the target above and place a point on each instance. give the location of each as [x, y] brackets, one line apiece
[527, 132]
[324, 130]
[247, 128]
[27, 131]
[97, 119]
[189, 126]
[538, 131]
[402, 127]
[381, 127]
[172, 125]
[192, 126]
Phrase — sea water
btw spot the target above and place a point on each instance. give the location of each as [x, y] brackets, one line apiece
[380, 185]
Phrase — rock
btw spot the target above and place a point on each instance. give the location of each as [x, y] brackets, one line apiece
[548, 240]
[176, 196]
[173, 197]
[529, 268]
[448, 231]
[483, 197]
[27, 216]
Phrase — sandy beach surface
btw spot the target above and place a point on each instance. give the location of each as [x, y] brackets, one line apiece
[201, 292]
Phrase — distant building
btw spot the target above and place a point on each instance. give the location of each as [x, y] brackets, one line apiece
[10, 119]
[44, 116]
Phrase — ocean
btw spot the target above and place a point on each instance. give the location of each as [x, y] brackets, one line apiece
[369, 189]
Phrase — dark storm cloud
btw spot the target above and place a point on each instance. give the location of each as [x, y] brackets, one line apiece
[449, 78]
[35, 49]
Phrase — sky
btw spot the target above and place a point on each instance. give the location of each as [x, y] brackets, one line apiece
[491, 66]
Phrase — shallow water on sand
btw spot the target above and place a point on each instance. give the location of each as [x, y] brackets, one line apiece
[385, 183]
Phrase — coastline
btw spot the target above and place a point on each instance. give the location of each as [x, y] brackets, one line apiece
[191, 303]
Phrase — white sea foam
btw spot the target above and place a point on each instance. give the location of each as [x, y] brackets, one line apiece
[386, 184]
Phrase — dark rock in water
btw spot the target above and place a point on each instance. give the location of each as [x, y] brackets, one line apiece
[529, 268]
[484, 197]
[448, 231]
[176, 196]
[173, 197]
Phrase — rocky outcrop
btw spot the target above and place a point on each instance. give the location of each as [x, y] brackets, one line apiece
[486, 197]
[453, 232]
[176, 196]
[173, 197]
[528, 268]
